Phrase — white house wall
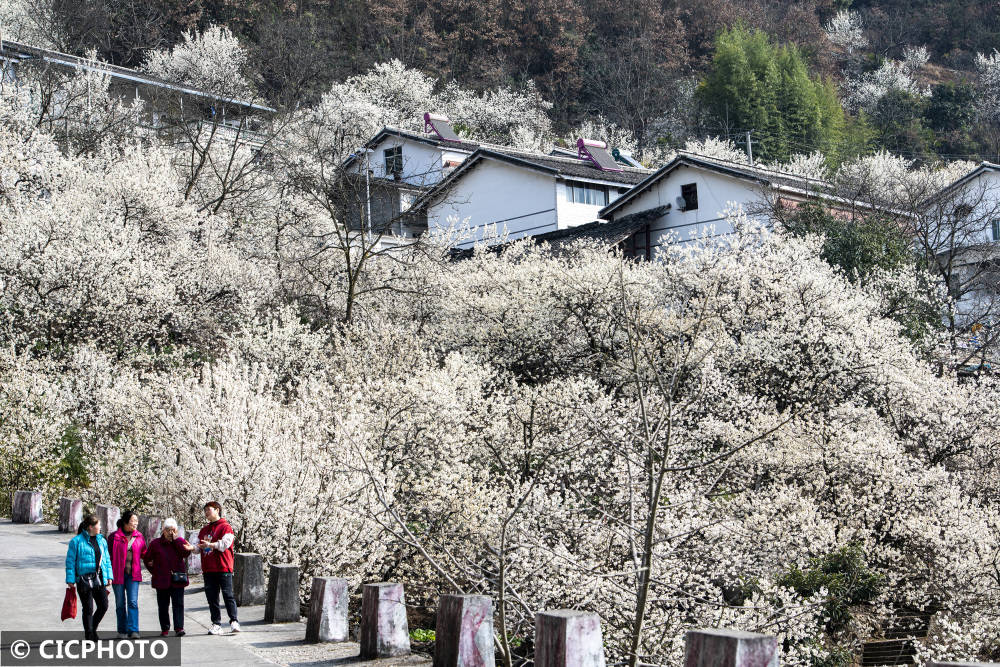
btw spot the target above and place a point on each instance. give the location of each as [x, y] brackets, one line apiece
[571, 214]
[423, 164]
[983, 194]
[717, 193]
[496, 198]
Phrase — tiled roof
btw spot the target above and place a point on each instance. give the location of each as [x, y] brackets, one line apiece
[566, 166]
[779, 179]
[560, 167]
[607, 234]
[424, 138]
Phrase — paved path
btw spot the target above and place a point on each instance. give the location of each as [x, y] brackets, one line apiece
[32, 586]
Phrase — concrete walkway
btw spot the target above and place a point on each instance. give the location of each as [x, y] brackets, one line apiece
[32, 586]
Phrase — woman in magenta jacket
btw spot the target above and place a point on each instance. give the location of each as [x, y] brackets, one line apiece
[166, 555]
[127, 548]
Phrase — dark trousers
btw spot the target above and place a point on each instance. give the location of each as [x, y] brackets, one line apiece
[215, 582]
[164, 598]
[89, 599]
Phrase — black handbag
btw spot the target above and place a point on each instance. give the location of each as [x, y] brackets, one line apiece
[180, 577]
[92, 580]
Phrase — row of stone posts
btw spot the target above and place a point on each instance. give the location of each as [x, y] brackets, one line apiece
[464, 633]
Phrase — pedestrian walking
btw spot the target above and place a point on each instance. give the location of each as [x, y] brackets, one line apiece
[215, 541]
[127, 547]
[166, 560]
[88, 570]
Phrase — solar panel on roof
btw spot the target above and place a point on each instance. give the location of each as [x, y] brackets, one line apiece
[625, 158]
[597, 152]
[440, 126]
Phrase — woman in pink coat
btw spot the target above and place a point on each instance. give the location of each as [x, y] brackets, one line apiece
[127, 549]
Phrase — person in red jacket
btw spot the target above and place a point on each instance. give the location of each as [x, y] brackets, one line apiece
[127, 547]
[216, 543]
[165, 557]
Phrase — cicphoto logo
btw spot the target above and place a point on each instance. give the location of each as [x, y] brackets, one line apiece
[70, 648]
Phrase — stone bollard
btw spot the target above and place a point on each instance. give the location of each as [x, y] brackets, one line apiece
[464, 633]
[282, 605]
[26, 507]
[568, 638]
[248, 580]
[70, 514]
[327, 611]
[108, 515]
[729, 648]
[384, 631]
[194, 560]
[150, 526]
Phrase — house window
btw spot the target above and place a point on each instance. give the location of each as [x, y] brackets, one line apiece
[996, 229]
[587, 193]
[393, 160]
[689, 193]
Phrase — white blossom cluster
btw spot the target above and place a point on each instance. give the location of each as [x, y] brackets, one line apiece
[846, 30]
[212, 60]
[988, 85]
[392, 94]
[661, 442]
[862, 92]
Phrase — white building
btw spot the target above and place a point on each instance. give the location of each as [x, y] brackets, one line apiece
[401, 167]
[693, 194]
[416, 159]
[961, 228]
[506, 193]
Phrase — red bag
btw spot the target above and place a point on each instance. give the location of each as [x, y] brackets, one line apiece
[69, 604]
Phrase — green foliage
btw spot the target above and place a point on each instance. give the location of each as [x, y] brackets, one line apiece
[898, 120]
[951, 107]
[844, 575]
[72, 464]
[859, 246]
[421, 635]
[951, 115]
[755, 85]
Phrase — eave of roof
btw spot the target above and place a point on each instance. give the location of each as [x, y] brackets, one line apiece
[65, 59]
[736, 170]
[557, 167]
[962, 180]
[607, 233]
[388, 131]
[793, 184]
[461, 146]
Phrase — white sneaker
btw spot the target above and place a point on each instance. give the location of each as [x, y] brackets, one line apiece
[134, 635]
[234, 626]
[216, 629]
[122, 635]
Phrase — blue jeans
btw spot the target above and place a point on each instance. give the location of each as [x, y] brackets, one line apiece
[127, 595]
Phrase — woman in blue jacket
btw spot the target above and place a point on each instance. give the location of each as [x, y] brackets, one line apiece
[88, 569]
